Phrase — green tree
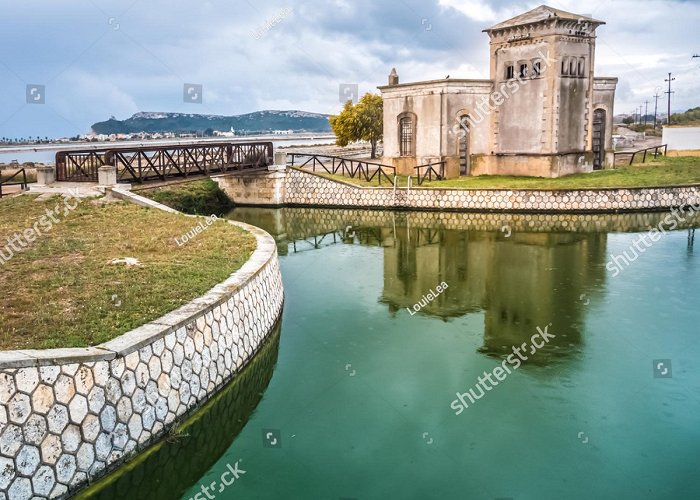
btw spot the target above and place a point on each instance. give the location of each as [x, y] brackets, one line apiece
[361, 122]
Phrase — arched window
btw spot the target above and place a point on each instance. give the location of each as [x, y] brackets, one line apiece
[510, 71]
[581, 66]
[522, 71]
[572, 66]
[406, 136]
[536, 68]
[565, 66]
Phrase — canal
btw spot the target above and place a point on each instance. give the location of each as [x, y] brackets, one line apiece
[390, 317]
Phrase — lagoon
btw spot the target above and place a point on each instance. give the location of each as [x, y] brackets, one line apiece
[359, 400]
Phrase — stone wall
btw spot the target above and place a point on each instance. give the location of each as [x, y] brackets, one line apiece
[306, 188]
[303, 222]
[67, 416]
[265, 187]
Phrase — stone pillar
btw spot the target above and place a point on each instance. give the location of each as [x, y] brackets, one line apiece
[280, 158]
[45, 175]
[107, 175]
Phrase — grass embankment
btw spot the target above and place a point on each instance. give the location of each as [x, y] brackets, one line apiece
[202, 197]
[667, 171]
[660, 172]
[62, 291]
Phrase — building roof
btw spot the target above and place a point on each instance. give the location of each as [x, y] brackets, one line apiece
[453, 82]
[542, 13]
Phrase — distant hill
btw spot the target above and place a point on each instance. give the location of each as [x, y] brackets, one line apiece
[260, 121]
[690, 117]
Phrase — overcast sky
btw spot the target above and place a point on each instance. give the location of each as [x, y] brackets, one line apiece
[98, 58]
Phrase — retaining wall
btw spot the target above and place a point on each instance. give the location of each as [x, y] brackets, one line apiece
[306, 188]
[67, 416]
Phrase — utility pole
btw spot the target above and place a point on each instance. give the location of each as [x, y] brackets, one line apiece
[656, 106]
[646, 112]
[669, 96]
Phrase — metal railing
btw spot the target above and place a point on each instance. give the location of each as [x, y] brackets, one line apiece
[430, 172]
[8, 181]
[145, 163]
[644, 152]
[79, 165]
[336, 165]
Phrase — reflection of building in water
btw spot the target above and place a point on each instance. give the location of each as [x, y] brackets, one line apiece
[422, 258]
[527, 280]
[521, 282]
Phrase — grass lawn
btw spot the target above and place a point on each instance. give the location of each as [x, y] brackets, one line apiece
[62, 291]
[668, 171]
[202, 197]
[661, 172]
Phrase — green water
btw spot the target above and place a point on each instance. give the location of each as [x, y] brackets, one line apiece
[360, 401]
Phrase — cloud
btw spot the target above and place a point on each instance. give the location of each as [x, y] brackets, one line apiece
[481, 11]
[114, 58]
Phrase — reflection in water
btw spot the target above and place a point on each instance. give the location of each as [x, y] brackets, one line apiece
[519, 281]
[501, 276]
[171, 467]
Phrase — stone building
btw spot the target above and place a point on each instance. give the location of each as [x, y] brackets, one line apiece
[541, 113]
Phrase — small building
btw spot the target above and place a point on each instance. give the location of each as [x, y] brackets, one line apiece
[542, 112]
[682, 139]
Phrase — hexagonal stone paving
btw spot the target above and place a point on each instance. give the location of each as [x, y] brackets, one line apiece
[57, 418]
[60, 425]
[27, 460]
[44, 481]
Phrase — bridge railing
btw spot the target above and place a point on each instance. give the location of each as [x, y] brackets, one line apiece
[337, 165]
[79, 165]
[161, 162]
[8, 181]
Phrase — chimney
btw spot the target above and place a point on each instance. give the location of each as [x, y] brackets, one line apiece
[393, 77]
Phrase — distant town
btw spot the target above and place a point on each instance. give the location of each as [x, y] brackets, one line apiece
[144, 126]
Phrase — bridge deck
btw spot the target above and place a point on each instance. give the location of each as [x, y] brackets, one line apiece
[139, 164]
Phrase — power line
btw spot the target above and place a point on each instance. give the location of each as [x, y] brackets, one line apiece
[669, 80]
[646, 112]
[656, 106]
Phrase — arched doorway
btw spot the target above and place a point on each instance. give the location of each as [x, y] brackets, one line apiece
[464, 162]
[599, 120]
